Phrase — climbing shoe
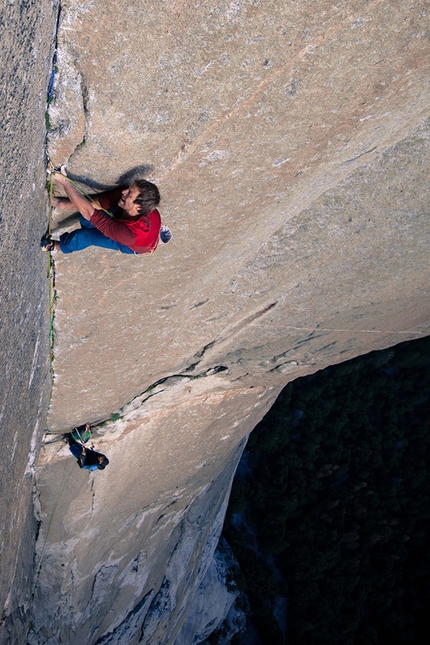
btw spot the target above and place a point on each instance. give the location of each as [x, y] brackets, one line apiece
[47, 243]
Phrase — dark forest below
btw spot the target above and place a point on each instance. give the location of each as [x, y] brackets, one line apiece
[329, 515]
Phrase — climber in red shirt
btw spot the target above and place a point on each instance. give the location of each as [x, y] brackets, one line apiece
[131, 225]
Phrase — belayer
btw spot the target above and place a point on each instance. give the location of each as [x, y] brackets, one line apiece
[125, 219]
[87, 458]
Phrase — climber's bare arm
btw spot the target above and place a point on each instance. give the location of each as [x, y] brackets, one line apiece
[74, 196]
[64, 203]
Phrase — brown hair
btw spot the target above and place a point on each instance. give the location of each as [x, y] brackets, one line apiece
[148, 198]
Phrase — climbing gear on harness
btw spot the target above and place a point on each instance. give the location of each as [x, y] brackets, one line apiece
[63, 171]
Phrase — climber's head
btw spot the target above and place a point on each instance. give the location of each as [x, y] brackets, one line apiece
[102, 462]
[140, 198]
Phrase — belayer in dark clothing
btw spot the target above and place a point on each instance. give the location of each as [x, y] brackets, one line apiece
[87, 458]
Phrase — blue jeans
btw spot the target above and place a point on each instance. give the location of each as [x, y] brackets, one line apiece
[76, 449]
[87, 236]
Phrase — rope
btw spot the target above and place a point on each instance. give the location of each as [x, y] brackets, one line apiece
[90, 199]
[51, 278]
[50, 193]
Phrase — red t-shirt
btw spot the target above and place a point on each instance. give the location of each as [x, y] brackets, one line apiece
[139, 233]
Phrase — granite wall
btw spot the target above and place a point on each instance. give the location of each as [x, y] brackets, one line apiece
[291, 147]
[27, 31]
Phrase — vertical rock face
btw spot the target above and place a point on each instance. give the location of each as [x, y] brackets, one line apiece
[291, 148]
[26, 33]
[123, 551]
[214, 601]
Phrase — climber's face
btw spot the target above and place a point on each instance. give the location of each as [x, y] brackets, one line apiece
[127, 200]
